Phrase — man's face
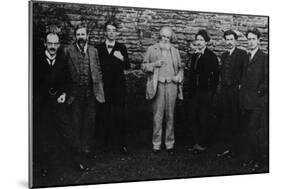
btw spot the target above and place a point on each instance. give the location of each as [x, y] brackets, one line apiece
[200, 41]
[230, 41]
[81, 36]
[253, 41]
[166, 35]
[110, 32]
[52, 44]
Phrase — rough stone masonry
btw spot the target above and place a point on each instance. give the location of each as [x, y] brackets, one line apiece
[139, 28]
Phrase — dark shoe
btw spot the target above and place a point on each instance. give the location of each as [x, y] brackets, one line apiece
[125, 151]
[199, 147]
[155, 151]
[44, 172]
[171, 151]
[83, 167]
[226, 153]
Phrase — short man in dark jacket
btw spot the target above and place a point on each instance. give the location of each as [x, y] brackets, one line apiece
[232, 62]
[114, 61]
[49, 93]
[204, 75]
[254, 98]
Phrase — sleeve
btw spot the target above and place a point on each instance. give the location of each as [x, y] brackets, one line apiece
[147, 66]
[263, 87]
[214, 74]
[126, 58]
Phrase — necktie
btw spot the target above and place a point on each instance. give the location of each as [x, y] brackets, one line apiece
[249, 57]
[198, 55]
[109, 46]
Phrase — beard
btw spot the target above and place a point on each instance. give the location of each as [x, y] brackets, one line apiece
[165, 45]
[81, 42]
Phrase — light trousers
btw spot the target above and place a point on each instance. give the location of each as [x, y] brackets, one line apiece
[164, 105]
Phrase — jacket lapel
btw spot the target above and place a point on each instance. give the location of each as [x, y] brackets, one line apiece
[255, 56]
[91, 57]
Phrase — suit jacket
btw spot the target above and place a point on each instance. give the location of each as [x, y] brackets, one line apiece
[208, 73]
[231, 75]
[254, 87]
[152, 55]
[73, 71]
[46, 77]
[113, 72]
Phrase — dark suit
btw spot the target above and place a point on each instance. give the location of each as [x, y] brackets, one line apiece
[204, 75]
[115, 89]
[85, 90]
[49, 118]
[231, 74]
[254, 102]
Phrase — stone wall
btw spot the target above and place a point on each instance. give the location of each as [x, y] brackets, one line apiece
[139, 28]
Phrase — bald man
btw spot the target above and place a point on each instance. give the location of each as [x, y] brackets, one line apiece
[164, 70]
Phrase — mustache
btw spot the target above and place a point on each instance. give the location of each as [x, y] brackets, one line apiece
[52, 49]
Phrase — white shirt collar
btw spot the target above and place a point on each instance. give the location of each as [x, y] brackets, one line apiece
[202, 51]
[85, 48]
[231, 50]
[253, 52]
[50, 59]
[49, 56]
[107, 42]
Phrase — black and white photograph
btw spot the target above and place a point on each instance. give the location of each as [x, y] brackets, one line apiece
[125, 94]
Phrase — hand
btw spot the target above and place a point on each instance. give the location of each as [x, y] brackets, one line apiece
[177, 79]
[118, 55]
[61, 98]
[160, 63]
[69, 99]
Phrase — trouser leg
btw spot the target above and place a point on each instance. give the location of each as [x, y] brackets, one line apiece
[158, 112]
[170, 101]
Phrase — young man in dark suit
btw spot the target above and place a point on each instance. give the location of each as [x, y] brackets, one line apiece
[85, 89]
[254, 99]
[204, 76]
[114, 60]
[232, 62]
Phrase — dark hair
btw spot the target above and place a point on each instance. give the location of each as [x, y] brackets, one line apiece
[110, 22]
[254, 31]
[230, 32]
[204, 34]
[79, 26]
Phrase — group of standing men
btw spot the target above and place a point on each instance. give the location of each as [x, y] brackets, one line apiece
[80, 80]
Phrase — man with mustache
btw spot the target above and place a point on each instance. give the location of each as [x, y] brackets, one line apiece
[232, 62]
[204, 76]
[49, 94]
[254, 99]
[114, 60]
[164, 70]
[85, 88]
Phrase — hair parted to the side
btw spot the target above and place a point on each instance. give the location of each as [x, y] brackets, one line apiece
[204, 34]
[254, 31]
[230, 32]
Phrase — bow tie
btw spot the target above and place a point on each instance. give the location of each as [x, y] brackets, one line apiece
[110, 46]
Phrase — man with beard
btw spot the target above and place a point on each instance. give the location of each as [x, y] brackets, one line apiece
[162, 64]
[114, 60]
[204, 76]
[232, 61]
[85, 89]
[49, 93]
[254, 99]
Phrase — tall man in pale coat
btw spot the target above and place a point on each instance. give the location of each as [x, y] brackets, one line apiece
[162, 64]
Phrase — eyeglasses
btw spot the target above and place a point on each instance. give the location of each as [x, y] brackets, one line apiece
[165, 36]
